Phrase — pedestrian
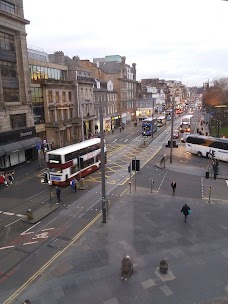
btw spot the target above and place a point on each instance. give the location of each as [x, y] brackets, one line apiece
[10, 177]
[72, 185]
[120, 129]
[58, 195]
[75, 185]
[186, 211]
[126, 268]
[27, 302]
[173, 185]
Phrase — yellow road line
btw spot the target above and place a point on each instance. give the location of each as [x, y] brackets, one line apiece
[45, 266]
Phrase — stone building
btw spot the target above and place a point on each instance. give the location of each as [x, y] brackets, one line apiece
[124, 81]
[52, 99]
[105, 94]
[83, 83]
[18, 141]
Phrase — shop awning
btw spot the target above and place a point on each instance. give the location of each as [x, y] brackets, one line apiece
[30, 143]
[12, 148]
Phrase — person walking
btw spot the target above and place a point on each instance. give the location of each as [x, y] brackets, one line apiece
[72, 185]
[186, 211]
[58, 194]
[126, 268]
[173, 185]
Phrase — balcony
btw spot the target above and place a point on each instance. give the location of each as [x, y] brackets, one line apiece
[46, 82]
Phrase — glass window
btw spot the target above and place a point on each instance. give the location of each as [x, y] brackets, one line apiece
[57, 96]
[70, 96]
[52, 115]
[11, 95]
[18, 121]
[50, 96]
[57, 74]
[37, 95]
[64, 96]
[6, 42]
[65, 114]
[8, 69]
[38, 114]
[59, 115]
[7, 7]
[71, 113]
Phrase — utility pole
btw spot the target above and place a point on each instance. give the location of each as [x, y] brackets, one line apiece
[172, 122]
[103, 190]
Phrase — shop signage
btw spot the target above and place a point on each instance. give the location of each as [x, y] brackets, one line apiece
[12, 136]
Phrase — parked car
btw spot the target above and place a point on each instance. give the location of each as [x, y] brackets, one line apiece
[176, 134]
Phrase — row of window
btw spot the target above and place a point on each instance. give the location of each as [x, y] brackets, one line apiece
[76, 154]
[38, 72]
[104, 97]
[8, 69]
[127, 95]
[59, 96]
[10, 95]
[7, 7]
[127, 85]
[6, 42]
[60, 114]
[86, 92]
[107, 110]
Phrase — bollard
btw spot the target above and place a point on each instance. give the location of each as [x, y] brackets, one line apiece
[29, 214]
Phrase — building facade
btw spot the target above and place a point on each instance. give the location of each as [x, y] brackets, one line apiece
[18, 140]
[123, 77]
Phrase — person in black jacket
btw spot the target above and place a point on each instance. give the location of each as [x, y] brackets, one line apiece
[186, 211]
[173, 185]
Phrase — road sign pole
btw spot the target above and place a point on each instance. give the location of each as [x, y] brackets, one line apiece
[135, 173]
[130, 175]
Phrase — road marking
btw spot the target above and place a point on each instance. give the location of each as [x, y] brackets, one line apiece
[202, 187]
[26, 231]
[47, 229]
[8, 213]
[1, 248]
[32, 278]
[20, 215]
[29, 243]
[227, 183]
[13, 222]
[124, 191]
[162, 181]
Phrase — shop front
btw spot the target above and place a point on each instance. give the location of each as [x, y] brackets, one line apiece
[107, 124]
[14, 152]
[115, 121]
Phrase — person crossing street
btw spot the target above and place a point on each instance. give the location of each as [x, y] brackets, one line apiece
[173, 185]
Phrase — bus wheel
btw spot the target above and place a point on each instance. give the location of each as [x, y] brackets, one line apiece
[199, 154]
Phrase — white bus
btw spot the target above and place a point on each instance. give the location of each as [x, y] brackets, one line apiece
[186, 120]
[161, 121]
[76, 160]
[204, 145]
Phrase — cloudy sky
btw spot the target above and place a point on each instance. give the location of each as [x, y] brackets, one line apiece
[185, 40]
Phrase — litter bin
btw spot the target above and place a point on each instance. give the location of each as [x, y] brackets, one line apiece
[135, 124]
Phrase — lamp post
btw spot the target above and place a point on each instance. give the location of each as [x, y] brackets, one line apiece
[172, 122]
[82, 113]
[103, 186]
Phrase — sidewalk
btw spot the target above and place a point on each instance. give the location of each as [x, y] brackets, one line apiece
[148, 227]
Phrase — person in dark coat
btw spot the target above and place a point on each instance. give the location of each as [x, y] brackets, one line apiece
[126, 268]
[186, 210]
[58, 194]
[173, 185]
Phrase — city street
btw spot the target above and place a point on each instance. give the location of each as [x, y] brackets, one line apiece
[22, 243]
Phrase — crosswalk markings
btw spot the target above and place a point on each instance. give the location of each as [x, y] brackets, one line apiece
[12, 214]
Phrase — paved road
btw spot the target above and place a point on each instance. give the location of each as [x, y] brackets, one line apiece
[54, 233]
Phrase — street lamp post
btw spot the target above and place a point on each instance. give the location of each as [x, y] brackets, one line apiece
[82, 120]
[103, 188]
[172, 122]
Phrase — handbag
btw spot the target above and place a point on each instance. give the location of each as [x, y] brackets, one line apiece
[189, 211]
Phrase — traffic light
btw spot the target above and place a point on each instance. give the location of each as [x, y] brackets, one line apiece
[212, 154]
[135, 165]
[216, 170]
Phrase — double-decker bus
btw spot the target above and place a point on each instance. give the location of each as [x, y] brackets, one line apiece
[161, 121]
[149, 126]
[204, 145]
[186, 120]
[76, 160]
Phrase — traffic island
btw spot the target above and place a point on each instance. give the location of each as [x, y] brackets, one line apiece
[34, 217]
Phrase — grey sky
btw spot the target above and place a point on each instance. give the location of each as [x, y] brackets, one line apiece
[180, 39]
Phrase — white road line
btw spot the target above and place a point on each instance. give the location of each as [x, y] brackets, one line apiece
[30, 243]
[20, 215]
[162, 181]
[202, 186]
[8, 213]
[47, 229]
[1, 248]
[1, 211]
[13, 222]
[227, 183]
[26, 231]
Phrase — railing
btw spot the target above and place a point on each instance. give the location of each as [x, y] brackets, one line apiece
[81, 78]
